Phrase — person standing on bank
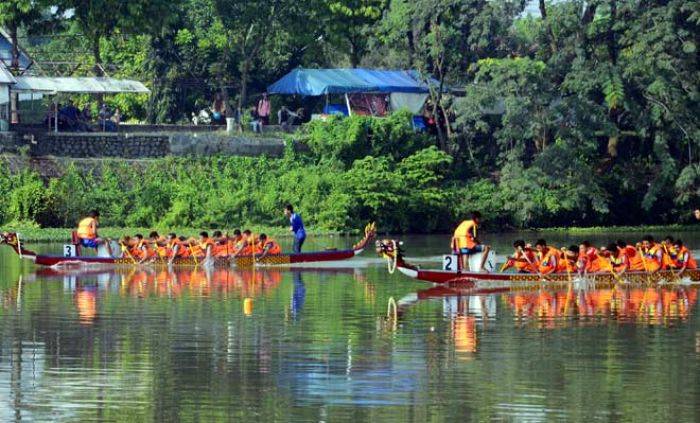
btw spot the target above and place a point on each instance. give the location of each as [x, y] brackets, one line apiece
[296, 226]
[264, 110]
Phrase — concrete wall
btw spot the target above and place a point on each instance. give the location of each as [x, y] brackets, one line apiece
[138, 145]
[10, 143]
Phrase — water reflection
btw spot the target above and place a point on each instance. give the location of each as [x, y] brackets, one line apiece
[304, 345]
[652, 304]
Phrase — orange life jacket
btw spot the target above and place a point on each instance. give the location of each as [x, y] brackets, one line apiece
[245, 247]
[566, 264]
[636, 262]
[221, 249]
[200, 250]
[140, 250]
[549, 261]
[272, 247]
[619, 263]
[650, 259]
[465, 235]
[685, 257]
[170, 249]
[524, 261]
[86, 229]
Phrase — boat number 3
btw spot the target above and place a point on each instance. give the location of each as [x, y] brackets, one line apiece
[449, 262]
[69, 250]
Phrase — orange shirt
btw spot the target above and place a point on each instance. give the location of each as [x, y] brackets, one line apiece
[272, 247]
[87, 228]
[548, 260]
[465, 235]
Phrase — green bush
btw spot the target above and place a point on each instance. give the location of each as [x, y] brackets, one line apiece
[351, 138]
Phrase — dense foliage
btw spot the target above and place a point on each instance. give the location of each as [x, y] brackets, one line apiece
[584, 114]
[404, 193]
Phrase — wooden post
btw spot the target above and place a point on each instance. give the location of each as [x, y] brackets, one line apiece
[347, 102]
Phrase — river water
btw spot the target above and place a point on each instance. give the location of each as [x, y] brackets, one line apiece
[318, 345]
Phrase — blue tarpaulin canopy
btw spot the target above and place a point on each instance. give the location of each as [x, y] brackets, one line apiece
[315, 82]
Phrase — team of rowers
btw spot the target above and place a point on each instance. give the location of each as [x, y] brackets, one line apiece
[170, 247]
[618, 257]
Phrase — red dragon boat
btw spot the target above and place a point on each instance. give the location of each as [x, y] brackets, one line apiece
[103, 259]
[391, 250]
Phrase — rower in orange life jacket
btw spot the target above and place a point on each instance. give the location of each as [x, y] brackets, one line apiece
[617, 260]
[523, 258]
[685, 259]
[245, 246]
[594, 263]
[266, 246]
[87, 231]
[568, 262]
[652, 255]
[547, 257]
[670, 253]
[157, 246]
[221, 248]
[139, 249]
[465, 242]
[205, 245]
[233, 242]
[174, 248]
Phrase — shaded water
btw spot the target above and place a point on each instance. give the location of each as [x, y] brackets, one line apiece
[317, 345]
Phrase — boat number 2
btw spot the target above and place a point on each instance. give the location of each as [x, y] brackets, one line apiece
[69, 250]
[449, 262]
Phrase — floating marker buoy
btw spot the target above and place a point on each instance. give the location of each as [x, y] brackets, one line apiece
[247, 306]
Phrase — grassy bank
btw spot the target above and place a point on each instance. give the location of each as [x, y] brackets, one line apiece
[34, 234]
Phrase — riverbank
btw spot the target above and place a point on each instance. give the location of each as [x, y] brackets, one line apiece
[41, 235]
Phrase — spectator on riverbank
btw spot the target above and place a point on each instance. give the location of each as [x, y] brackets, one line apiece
[287, 118]
[86, 114]
[255, 122]
[263, 110]
[105, 119]
[218, 107]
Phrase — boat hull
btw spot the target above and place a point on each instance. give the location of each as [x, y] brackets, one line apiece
[446, 277]
[240, 261]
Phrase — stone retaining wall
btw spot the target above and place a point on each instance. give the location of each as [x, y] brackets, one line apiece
[100, 145]
[10, 143]
[138, 145]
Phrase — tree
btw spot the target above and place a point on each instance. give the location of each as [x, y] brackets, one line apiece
[99, 19]
[348, 24]
[444, 38]
[13, 15]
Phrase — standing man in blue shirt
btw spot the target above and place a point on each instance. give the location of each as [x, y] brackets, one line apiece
[297, 226]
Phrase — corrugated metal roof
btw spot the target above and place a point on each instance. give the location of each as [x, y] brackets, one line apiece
[5, 75]
[86, 85]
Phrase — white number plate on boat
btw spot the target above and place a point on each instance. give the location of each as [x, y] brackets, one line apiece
[450, 262]
[69, 250]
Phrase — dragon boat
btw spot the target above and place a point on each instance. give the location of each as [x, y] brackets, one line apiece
[451, 274]
[103, 258]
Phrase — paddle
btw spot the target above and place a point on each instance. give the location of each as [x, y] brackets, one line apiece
[194, 256]
[611, 269]
[644, 263]
[125, 249]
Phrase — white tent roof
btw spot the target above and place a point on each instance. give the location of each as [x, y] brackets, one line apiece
[89, 85]
[5, 75]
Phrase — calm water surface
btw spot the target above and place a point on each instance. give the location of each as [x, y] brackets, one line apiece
[318, 345]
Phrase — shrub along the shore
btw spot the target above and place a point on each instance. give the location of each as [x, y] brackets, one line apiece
[358, 169]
